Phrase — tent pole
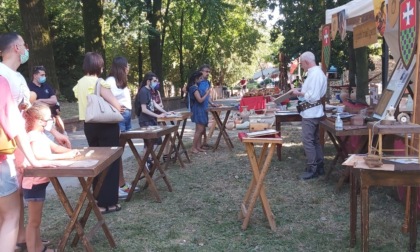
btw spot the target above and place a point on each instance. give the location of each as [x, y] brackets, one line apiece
[385, 63]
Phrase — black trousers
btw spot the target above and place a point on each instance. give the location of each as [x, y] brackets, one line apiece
[105, 135]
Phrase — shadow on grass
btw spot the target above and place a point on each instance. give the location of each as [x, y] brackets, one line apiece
[201, 214]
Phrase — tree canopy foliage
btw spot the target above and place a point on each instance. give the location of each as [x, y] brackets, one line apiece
[170, 37]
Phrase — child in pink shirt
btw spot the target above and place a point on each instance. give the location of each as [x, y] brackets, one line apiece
[38, 118]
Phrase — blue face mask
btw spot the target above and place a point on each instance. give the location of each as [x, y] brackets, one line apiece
[42, 79]
[157, 86]
[24, 57]
[301, 98]
[154, 84]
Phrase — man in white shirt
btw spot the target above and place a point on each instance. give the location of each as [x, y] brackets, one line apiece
[313, 89]
[14, 53]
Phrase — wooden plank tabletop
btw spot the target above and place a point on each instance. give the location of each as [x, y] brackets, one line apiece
[103, 155]
[221, 108]
[184, 115]
[397, 128]
[348, 130]
[149, 133]
[262, 140]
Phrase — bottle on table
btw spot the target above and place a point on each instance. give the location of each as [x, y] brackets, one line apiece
[338, 122]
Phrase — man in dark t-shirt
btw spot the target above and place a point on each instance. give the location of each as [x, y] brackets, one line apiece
[44, 93]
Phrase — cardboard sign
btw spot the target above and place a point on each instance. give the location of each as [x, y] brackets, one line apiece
[364, 34]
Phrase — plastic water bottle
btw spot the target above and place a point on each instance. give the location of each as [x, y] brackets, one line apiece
[338, 122]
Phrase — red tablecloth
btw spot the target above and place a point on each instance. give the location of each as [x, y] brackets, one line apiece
[253, 102]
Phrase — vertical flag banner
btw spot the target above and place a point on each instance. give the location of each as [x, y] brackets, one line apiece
[379, 11]
[407, 31]
[334, 25]
[342, 24]
[326, 45]
[393, 12]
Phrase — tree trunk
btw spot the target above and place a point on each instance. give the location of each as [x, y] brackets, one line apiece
[37, 35]
[362, 71]
[180, 50]
[93, 21]
[154, 16]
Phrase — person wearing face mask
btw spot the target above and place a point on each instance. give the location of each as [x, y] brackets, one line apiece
[45, 94]
[14, 52]
[157, 98]
[145, 105]
[38, 120]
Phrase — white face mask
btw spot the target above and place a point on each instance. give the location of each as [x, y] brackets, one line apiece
[49, 125]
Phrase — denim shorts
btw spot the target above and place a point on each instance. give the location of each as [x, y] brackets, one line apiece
[125, 125]
[37, 193]
[8, 180]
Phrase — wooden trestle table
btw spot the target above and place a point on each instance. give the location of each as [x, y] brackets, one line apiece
[215, 111]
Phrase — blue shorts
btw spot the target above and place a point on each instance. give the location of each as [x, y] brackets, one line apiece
[8, 180]
[37, 193]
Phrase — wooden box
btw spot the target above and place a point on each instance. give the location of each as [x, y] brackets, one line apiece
[259, 126]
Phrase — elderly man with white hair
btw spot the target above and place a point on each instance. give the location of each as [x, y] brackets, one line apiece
[312, 111]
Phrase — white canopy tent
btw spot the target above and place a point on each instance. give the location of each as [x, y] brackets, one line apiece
[357, 8]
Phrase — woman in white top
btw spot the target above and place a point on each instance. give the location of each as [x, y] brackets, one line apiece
[117, 79]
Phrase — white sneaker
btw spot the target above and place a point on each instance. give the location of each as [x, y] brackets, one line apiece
[122, 194]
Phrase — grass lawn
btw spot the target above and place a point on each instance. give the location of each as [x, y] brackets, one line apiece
[201, 214]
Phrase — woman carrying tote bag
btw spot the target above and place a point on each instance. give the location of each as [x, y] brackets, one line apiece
[100, 134]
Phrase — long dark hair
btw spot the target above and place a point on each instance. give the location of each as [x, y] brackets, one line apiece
[193, 77]
[147, 76]
[118, 71]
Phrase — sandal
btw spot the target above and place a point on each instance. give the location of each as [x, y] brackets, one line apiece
[45, 249]
[21, 246]
[107, 209]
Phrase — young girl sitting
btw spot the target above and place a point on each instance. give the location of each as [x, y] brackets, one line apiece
[199, 112]
[38, 119]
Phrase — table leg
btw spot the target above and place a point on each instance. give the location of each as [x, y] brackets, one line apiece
[181, 143]
[86, 185]
[364, 196]
[212, 128]
[222, 130]
[258, 189]
[353, 208]
[278, 129]
[142, 169]
[73, 214]
[156, 166]
[413, 218]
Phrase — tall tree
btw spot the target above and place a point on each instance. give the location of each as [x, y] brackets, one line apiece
[93, 22]
[37, 34]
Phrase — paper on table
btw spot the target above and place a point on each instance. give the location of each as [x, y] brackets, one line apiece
[262, 133]
[75, 163]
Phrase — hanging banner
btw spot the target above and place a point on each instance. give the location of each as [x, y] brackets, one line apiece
[393, 12]
[334, 26]
[407, 31]
[364, 34]
[326, 45]
[342, 24]
[380, 15]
